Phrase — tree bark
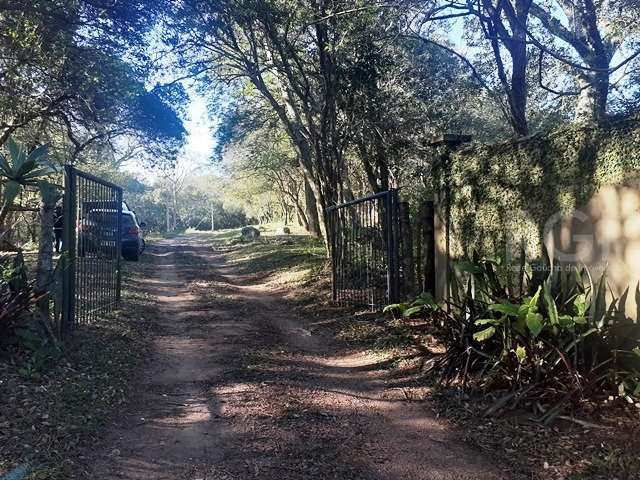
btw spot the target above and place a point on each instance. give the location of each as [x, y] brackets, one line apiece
[44, 269]
[514, 41]
[311, 208]
[592, 100]
[595, 50]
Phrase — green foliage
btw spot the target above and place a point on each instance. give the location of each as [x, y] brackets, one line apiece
[513, 188]
[424, 303]
[557, 345]
[16, 301]
[21, 168]
[75, 74]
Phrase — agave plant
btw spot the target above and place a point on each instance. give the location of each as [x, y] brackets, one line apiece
[21, 169]
[18, 170]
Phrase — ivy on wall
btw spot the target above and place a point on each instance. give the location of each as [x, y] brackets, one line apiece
[503, 194]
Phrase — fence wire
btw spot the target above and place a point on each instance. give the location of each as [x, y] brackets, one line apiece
[92, 219]
[364, 250]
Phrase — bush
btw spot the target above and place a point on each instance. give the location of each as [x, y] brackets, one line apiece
[16, 300]
[552, 346]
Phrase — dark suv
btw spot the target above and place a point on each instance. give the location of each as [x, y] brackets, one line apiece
[96, 233]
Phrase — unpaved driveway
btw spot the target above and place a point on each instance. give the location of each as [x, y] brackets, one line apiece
[239, 389]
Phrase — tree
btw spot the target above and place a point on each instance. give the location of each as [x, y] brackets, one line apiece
[257, 146]
[592, 31]
[289, 57]
[595, 33]
[61, 70]
[18, 170]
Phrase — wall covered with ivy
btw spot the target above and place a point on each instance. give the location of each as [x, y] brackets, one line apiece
[504, 194]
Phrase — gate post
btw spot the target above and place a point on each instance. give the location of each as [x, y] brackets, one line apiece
[428, 246]
[331, 216]
[69, 250]
[392, 245]
[119, 247]
[406, 243]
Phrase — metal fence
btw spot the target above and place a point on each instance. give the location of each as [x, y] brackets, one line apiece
[364, 250]
[92, 223]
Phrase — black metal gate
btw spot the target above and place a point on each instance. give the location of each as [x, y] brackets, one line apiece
[364, 250]
[92, 235]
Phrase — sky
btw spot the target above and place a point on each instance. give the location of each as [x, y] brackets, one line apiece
[199, 145]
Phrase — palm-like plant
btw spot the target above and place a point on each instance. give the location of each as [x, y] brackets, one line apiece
[18, 170]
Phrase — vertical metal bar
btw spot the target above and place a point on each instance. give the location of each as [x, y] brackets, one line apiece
[98, 259]
[90, 257]
[381, 251]
[68, 251]
[107, 251]
[332, 229]
[112, 249]
[95, 258]
[395, 230]
[370, 264]
[391, 280]
[82, 247]
[352, 255]
[118, 246]
[101, 251]
[91, 278]
[341, 257]
[360, 252]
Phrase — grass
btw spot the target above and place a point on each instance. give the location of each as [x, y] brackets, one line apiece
[294, 258]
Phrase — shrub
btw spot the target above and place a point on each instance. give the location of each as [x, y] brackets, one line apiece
[16, 300]
[552, 346]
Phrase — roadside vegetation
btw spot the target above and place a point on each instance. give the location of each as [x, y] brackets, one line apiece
[294, 260]
[56, 403]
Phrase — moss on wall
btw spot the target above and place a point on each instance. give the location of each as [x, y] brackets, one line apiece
[503, 194]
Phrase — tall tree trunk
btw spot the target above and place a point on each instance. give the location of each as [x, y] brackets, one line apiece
[518, 93]
[595, 49]
[44, 269]
[174, 206]
[592, 100]
[301, 217]
[313, 223]
[514, 40]
[518, 18]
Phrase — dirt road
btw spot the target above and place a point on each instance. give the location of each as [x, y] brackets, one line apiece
[238, 388]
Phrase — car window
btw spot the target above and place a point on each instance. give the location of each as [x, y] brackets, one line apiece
[109, 218]
[103, 218]
[127, 221]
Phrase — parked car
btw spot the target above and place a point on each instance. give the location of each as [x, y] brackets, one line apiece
[97, 233]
